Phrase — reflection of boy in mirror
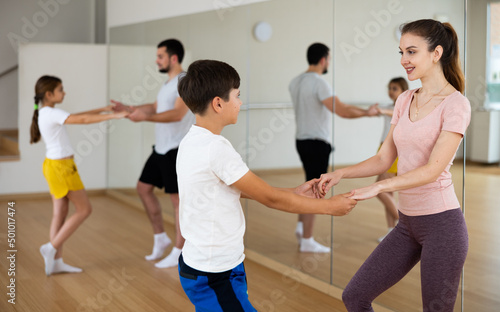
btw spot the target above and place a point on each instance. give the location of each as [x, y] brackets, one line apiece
[212, 178]
[395, 88]
[313, 102]
[173, 120]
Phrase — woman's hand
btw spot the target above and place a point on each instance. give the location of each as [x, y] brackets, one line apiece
[327, 181]
[366, 192]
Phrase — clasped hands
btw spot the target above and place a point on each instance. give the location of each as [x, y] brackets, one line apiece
[328, 180]
[344, 203]
[134, 114]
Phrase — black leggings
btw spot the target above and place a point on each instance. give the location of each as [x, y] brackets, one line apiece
[438, 241]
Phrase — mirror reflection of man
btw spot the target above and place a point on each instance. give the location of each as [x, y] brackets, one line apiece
[314, 103]
[172, 120]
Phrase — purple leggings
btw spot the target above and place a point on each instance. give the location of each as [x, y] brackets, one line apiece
[438, 241]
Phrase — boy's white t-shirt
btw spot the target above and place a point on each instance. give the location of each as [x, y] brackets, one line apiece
[211, 217]
[51, 124]
[168, 135]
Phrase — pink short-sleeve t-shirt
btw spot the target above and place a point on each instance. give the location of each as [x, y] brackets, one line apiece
[414, 142]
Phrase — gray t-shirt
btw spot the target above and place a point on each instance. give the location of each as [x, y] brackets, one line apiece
[313, 119]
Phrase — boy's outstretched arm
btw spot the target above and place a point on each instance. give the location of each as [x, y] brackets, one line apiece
[307, 189]
[283, 199]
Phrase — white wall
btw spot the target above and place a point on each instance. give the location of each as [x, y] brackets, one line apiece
[476, 52]
[26, 21]
[135, 80]
[126, 12]
[83, 69]
[367, 50]
[266, 68]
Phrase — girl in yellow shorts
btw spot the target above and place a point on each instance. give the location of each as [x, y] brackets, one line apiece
[59, 167]
[395, 88]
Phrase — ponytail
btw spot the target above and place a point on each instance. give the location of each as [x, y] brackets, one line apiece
[451, 62]
[443, 34]
[34, 130]
[43, 85]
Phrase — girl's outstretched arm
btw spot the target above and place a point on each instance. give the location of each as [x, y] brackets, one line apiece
[108, 108]
[92, 117]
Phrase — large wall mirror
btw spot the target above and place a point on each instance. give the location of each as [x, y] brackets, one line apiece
[366, 59]
[364, 45]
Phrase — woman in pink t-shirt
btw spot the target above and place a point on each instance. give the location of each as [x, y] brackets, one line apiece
[427, 127]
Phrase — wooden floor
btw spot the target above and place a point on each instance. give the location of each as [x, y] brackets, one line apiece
[270, 232]
[110, 247]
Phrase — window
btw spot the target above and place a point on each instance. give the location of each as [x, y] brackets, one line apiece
[493, 56]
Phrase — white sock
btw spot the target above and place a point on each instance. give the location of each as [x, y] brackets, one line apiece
[161, 243]
[48, 253]
[171, 260]
[299, 231]
[61, 267]
[310, 245]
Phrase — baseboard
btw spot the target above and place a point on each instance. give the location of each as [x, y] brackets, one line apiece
[135, 203]
[43, 195]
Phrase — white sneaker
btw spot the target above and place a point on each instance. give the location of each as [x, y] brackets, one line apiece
[310, 245]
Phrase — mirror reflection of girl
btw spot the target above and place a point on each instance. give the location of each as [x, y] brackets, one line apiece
[395, 88]
[426, 130]
[59, 167]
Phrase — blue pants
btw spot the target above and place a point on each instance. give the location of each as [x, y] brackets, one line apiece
[216, 292]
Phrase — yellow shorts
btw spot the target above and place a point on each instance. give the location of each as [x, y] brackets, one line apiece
[394, 167]
[62, 176]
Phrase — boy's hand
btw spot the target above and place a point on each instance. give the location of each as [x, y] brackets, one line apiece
[308, 189]
[342, 204]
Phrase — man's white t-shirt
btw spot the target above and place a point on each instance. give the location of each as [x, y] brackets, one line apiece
[51, 124]
[211, 217]
[313, 119]
[168, 135]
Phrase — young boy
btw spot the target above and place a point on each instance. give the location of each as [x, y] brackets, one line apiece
[212, 177]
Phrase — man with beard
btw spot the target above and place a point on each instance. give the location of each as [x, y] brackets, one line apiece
[314, 103]
[172, 119]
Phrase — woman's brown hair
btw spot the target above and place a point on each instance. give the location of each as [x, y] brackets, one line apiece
[443, 34]
[43, 85]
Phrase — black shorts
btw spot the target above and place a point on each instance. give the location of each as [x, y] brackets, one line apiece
[314, 155]
[159, 171]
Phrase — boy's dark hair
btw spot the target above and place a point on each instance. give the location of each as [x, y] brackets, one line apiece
[316, 52]
[173, 47]
[205, 80]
